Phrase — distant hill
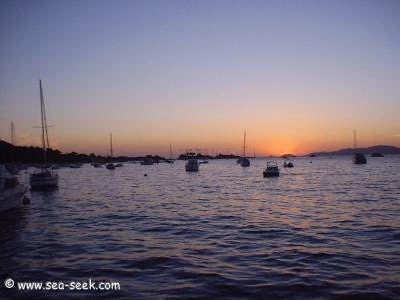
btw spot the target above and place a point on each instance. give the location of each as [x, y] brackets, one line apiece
[374, 149]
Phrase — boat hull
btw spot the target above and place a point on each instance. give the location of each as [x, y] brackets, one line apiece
[288, 165]
[270, 174]
[12, 198]
[272, 170]
[41, 181]
[359, 159]
[191, 168]
[110, 166]
[245, 162]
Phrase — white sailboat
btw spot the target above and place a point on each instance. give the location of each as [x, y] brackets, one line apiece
[46, 178]
[11, 191]
[110, 165]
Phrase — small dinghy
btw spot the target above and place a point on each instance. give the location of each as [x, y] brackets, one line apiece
[288, 164]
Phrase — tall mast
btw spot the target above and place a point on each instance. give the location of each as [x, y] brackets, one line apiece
[111, 148]
[43, 123]
[355, 139]
[170, 151]
[244, 144]
[13, 136]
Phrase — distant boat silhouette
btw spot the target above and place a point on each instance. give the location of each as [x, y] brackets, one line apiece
[272, 169]
[46, 178]
[171, 159]
[192, 165]
[110, 165]
[288, 163]
[147, 161]
[377, 154]
[358, 158]
[75, 166]
[243, 161]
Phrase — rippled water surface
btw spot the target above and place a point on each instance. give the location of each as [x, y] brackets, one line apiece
[326, 229]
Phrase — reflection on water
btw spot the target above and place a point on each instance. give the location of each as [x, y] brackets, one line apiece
[327, 229]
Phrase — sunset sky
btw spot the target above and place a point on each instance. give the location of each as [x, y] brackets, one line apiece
[298, 76]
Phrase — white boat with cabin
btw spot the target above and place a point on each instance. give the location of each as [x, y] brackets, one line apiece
[11, 191]
[192, 165]
[272, 169]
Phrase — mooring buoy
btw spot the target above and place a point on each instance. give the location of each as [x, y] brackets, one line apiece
[26, 200]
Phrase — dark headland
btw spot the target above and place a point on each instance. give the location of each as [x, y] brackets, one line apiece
[368, 151]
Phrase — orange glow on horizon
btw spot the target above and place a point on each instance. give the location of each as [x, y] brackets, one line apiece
[273, 144]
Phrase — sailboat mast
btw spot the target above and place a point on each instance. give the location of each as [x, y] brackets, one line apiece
[244, 144]
[13, 136]
[43, 123]
[355, 139]
[170, 151]
[111, 147]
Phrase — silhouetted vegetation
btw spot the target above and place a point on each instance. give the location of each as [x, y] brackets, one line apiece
[28, 155]
[185, 156]
[34, 155]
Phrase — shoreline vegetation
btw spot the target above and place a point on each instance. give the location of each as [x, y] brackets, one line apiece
[34, 155]
[29, 154]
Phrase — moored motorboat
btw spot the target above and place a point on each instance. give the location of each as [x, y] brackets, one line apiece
[192, 165]
[11, 191]
[272, 169]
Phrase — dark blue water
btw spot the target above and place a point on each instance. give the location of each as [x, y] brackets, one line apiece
[323, 230]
